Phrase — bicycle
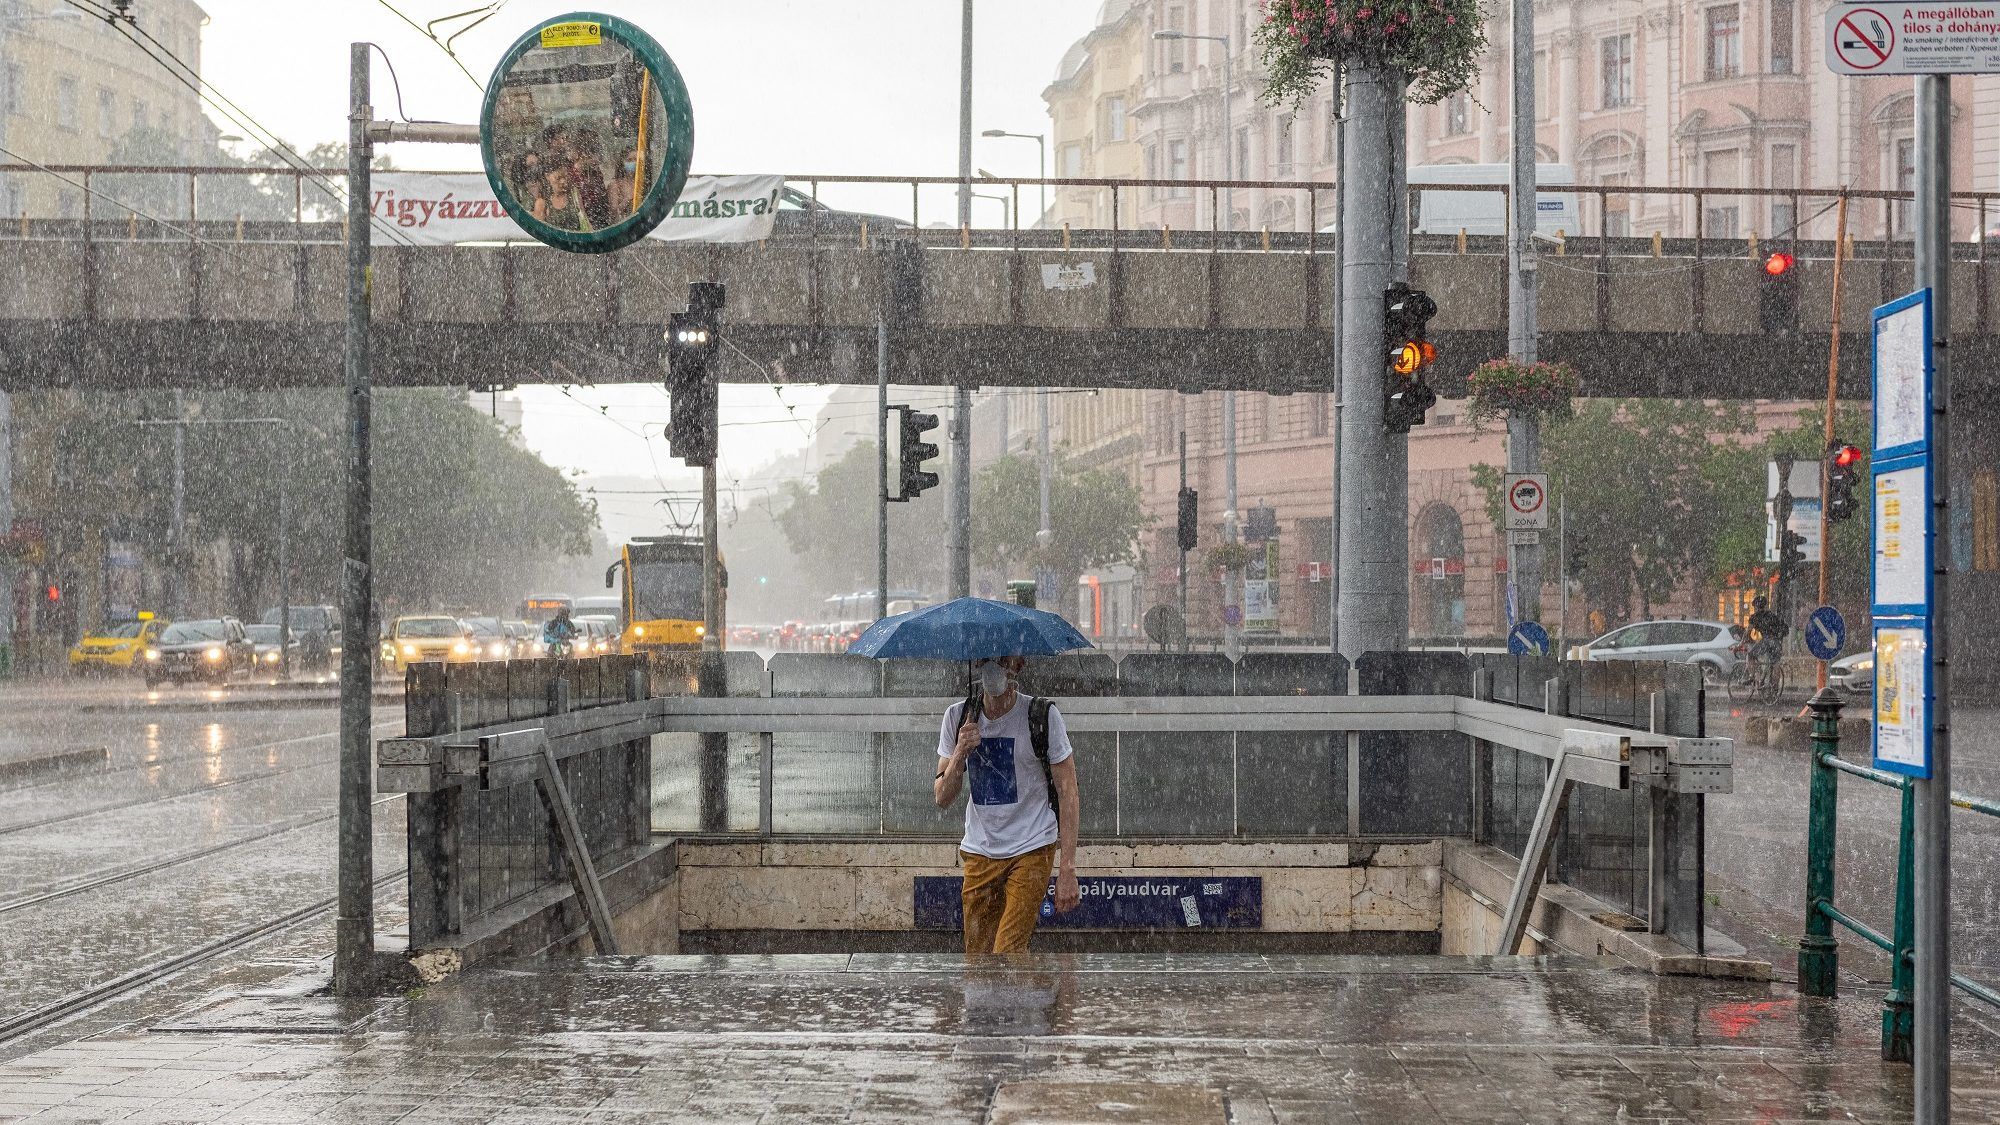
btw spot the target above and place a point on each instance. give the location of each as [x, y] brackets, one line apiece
[1755, 678]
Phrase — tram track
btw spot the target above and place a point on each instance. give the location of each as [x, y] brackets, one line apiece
[84, 775]
[117, 987]
[121, 875]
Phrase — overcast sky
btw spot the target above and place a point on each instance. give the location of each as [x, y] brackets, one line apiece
[793, 86]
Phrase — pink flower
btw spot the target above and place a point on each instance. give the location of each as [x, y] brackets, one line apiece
[1450, 20]
[1364, 13]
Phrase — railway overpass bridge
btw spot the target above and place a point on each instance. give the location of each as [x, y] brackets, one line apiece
[124, 303]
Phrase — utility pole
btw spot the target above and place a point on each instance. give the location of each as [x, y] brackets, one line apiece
[1832, 392]
[1374, 548]
[1524, 431]
[354, 923]
[1184, 554]
[882, 465]
[177, 516]
[958, 533]
[1339, 310]
[1932, 794]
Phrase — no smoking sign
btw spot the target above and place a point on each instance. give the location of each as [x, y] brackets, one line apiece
[1527, 502]
[1914, 38]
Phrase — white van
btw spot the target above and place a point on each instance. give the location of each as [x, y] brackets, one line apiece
[1485, 212]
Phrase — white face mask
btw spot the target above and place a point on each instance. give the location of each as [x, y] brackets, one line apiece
[992, 679]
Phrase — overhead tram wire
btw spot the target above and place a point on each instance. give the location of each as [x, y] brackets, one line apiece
[441, 45]
[219, 247]
[236, 114]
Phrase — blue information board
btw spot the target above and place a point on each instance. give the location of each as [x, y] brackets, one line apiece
[1902, 590]
[1119, 902]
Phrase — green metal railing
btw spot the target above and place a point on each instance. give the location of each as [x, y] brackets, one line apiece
[1818, 951]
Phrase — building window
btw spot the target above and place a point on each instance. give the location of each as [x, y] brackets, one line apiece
[1332, 141]
[107, 112]
[1457, 115]
[1783, 34]
[10, 89]
[1784, 174]
[1615, 55]
[1177, 166]
[1725, 42]
[1242, 168]
[1906, 179]
[66, 104]
[1114, 120]
[1545, 98]
[1720, 222]
[139, 114]
[1069, 161]
[69, 204]
[1284, 160]
[1151, 162]
[1176, 48]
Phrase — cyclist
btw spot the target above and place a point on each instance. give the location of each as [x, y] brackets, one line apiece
[559, 632]
[1769, 630]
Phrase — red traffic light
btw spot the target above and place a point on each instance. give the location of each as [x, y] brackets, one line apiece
[1847, 456]
[54, 592]
[1778, 263]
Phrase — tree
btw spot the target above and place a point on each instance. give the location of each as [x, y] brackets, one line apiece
[830, 524]
[1646, 506]
[1740, 478]
[1095, 518]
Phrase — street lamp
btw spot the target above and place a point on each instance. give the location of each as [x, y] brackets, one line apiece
[1042, 143]
[1229, 599]
[1007, 218]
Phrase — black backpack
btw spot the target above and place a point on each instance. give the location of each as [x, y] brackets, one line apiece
[1038, 735]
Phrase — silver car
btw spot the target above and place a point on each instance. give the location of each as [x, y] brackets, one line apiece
[1711, 644]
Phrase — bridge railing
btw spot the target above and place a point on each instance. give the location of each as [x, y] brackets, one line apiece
[1274, 746]
[219, 203]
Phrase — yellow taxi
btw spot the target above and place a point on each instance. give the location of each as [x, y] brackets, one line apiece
[417, 638]
[116, 646]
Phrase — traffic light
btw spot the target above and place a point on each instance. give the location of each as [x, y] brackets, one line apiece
[1406, 397]
[912, 480]
[1791, 550]
[1778, 293]
[694, 341]
[1190, 518]
[1843, 472]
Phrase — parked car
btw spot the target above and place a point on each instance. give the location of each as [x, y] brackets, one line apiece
[1711, 644]
[489, 638]
[117, 646]
[317, 629]
[264, 638]
[526, 639]
[1853, 673]
[214, 649]
[419, 637]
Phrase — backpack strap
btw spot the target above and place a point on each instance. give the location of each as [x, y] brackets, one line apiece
[1038, 734]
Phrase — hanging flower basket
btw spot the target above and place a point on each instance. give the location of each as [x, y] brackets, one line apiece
[1436, 44]
[1500, 387]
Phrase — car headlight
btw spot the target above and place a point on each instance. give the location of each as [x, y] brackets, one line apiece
[540, 649]
[460, 648]
[638, 630]
[271, 657]
[152, 654]
[701, 630]
[496, 649]
[1861, 666]
[213, 653]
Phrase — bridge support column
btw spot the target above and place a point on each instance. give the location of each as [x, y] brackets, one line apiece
[1373, 607]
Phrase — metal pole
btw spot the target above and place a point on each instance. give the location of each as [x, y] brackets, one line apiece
[711, 572]
[354, 928]
[1933, 794]
[1819, 954]
[1229, 169]
[1043, 464]
[1339, 313]
[285, 562]
[1832, 391]
[177, 516]
[1562, 545]
[1232, 632]
[1524, 431]
[882, 466]
[7, 576]
[1373, 609]
[958, 534]
[1042, 143]
[1184, 554]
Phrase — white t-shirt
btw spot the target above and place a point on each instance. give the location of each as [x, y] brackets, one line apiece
[1007, 811]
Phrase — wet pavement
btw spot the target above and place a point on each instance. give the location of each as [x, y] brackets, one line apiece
[1051, 1038]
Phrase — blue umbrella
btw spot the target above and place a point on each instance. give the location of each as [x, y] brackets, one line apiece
[968, 629]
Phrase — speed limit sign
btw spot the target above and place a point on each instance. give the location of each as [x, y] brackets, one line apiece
[1527, 502]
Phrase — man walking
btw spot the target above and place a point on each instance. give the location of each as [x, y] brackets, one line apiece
[1022, 816]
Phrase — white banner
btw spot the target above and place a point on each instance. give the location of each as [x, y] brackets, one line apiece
[443, 210]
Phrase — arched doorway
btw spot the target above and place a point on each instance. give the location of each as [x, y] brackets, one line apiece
[1439, 565]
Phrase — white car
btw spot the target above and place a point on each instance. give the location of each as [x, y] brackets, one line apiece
[1854, 673]
[1711, 644]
